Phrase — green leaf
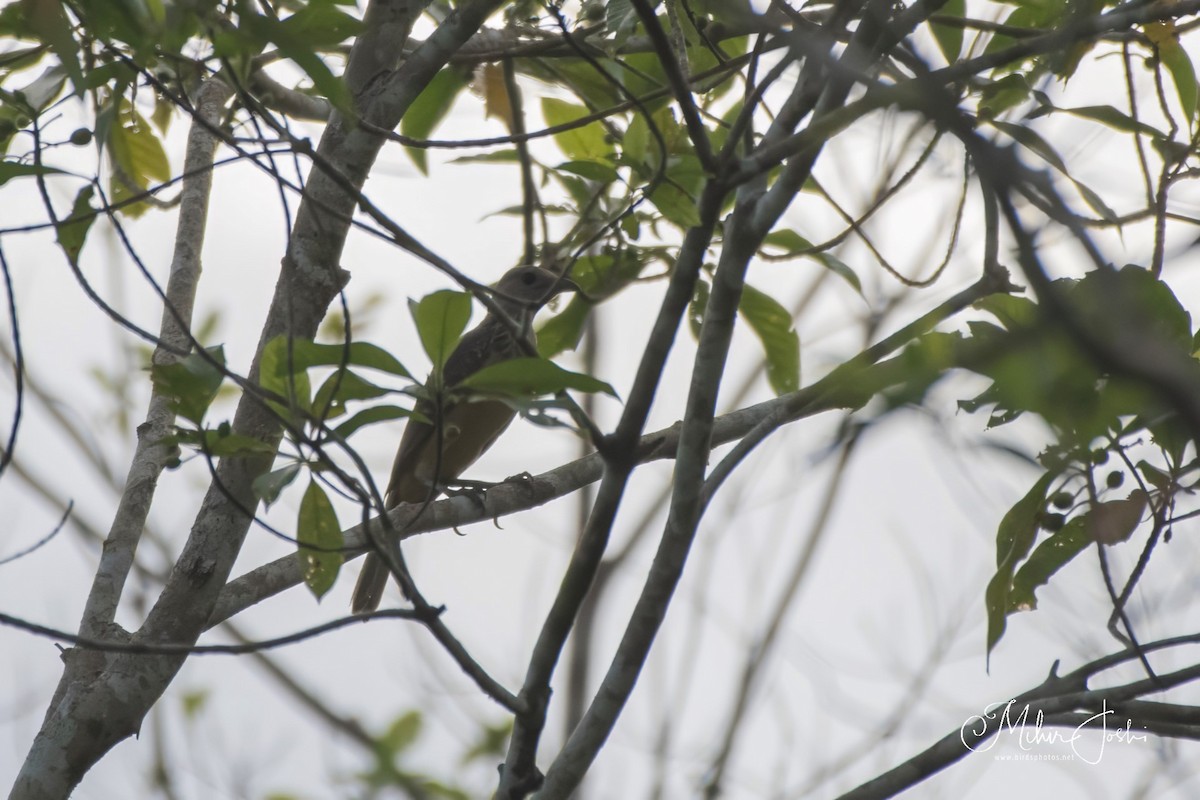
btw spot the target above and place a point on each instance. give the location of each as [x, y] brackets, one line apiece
[676, 205]
[48, 20]
[531, 376]
[73, 231]
[789, 241]
[193, 702]
[219, 442]
[137, 157]
[277, 376]
[306, 353]
[14, 169]
[775, 329]
[841, 269]
[1015, 313]
[320, 539]
[1117, 120]
[341, 387]
[191, 383]
[1175, 58]
[321, 26]
[586, 143]
[259, 28]
[950, 37]
[564, 330]
[402, 733]
[369, 416]
[441, 318]
[267, 487]
[1144, 300]
[1014, 539]
[492, 742]
[428, 110]
[1049, 557]
[592, 170]
[793, 243]
[43, 90]
[1030, 139]
[509, 156]
[1001, 95]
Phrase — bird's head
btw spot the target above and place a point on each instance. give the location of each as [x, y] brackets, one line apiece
[528, 288]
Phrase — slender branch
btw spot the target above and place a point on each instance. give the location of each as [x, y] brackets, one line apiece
[151, 454]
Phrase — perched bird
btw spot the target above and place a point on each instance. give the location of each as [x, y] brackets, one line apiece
[468, 429]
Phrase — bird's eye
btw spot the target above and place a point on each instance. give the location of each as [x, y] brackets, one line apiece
[529, 278]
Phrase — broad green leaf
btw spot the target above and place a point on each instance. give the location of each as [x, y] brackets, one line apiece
[73, 231]
[48, 20]
[531, 376]
[592, 170]
[620, 19]
[789, 241]
[137, 158]
[15, 169]
[191, 383]
[794, 244]
[950, 37]
[1183, 74]
[497, 102]
[305, 354]
[278, 377]
[269, 485]
[43, 90]
[1049, 557]
[564, 330]
[676, 205]
[1146, 300]
[1001, 95]
[1014, 539]
[441, 318]
[586, 143]
[338, 389]
[1015, 313]
[428, 110]
[320, 538]
[321, 26]
[261, 28]
[775, 329]
[369, 416]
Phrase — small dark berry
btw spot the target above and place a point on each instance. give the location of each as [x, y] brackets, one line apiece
[1062, 500]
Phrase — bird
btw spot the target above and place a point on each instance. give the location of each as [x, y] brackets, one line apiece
[468, 428]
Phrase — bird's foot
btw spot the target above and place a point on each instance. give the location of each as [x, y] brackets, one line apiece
[523, 478]
[476, 490]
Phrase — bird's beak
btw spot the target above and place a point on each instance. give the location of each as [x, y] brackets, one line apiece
[565, 284]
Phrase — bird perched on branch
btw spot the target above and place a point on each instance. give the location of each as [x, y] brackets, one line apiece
[468, 428]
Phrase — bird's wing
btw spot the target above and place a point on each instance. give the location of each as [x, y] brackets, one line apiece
[486, 343]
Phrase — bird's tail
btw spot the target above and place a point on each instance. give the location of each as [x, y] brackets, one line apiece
[371, 583]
